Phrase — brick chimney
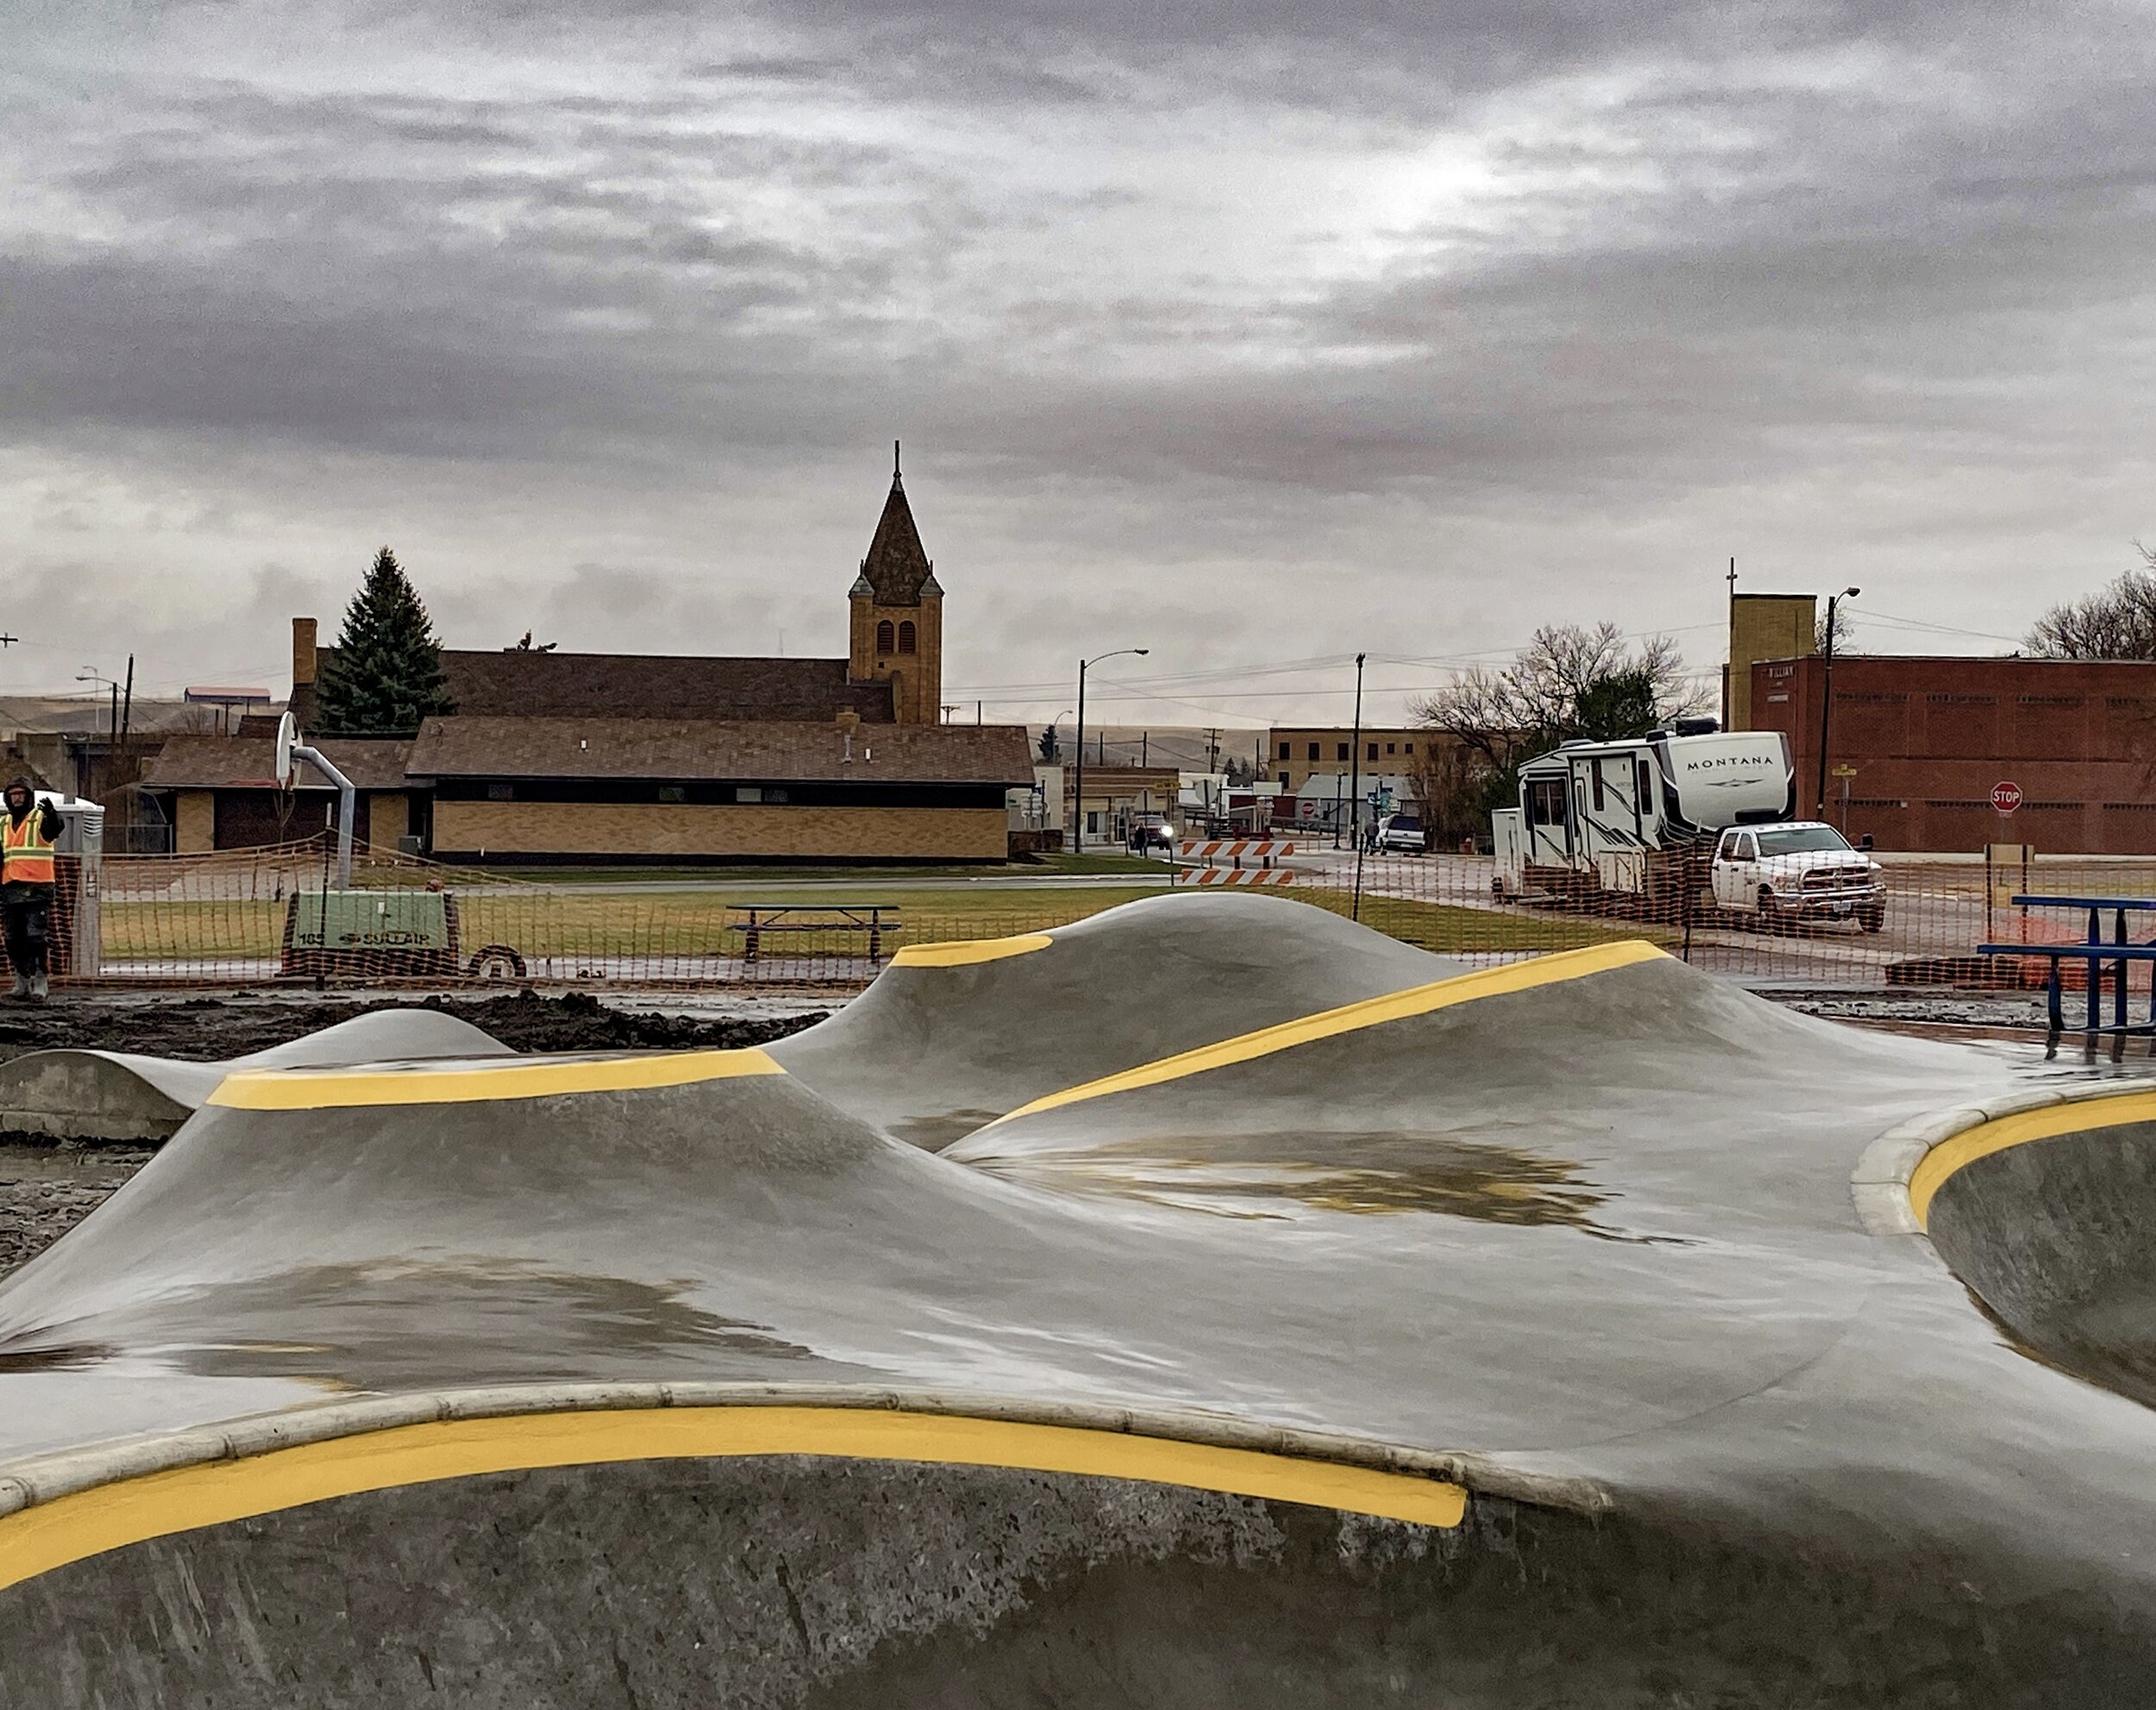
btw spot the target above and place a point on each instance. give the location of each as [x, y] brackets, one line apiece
[303, 651]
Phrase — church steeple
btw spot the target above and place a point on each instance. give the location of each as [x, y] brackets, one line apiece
[897, 569]
[896, 631]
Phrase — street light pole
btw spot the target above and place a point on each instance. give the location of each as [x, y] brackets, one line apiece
[1826, 696]
[1355, 790]
[1078, 787]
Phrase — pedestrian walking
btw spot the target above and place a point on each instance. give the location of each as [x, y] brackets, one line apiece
[28, 829]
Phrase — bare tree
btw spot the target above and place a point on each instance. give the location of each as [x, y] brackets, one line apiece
[1567, 681]
[1845, 628]
[2118, 622]
[1515, 712]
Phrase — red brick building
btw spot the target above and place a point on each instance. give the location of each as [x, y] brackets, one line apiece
[1930, 736]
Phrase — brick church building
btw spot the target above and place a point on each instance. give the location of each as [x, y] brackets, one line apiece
[656, 759]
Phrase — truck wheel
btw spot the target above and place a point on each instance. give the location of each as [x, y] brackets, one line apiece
[496, 961]
[1497, 888]
[1871, 918]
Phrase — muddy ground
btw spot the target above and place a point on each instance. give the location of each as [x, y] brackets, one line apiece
[205, 1028]
[47, 1188]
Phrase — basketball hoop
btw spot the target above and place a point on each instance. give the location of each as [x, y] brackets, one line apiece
[285, 767]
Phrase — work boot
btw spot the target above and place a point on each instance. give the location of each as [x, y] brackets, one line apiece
[40, 988]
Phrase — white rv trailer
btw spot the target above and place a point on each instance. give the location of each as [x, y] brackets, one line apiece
[1637, 816]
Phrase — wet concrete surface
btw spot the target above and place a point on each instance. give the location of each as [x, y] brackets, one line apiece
[800, 1582]
[1592, 1235]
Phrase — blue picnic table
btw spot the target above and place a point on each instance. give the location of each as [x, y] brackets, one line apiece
[2111, 956]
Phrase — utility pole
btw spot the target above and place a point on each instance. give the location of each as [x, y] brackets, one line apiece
[1729, 670]
[1826, 696]
[127, 704]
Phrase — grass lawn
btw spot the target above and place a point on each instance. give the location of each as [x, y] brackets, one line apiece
[540, 921]
[1438, 926]
[537, 921]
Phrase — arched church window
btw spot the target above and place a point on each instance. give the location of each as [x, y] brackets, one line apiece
[883, 637]
[905, 636]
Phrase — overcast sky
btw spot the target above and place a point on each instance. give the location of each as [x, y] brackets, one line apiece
[1256, 334]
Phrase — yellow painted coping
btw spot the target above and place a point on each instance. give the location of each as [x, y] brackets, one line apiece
[1465, 988]
[477, 1081]
[71, 1528]
[2049, 1122]
[964, 953]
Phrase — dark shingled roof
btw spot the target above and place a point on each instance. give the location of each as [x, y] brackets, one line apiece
[897, 569]
[661, 748]
[518, 685]
[246, 762]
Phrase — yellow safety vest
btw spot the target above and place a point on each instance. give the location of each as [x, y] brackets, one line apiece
[26, 856]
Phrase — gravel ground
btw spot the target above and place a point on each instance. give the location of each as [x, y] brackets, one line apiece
[47, 1187]
[1954, 1009]
[206, 1028]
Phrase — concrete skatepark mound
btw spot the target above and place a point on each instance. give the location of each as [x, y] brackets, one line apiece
[1213, 1303]
[123, 1095]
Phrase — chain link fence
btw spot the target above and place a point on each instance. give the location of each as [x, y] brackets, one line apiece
[249, 916]
[1917, 922]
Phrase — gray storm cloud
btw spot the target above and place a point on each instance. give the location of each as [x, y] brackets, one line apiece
[1252, 333]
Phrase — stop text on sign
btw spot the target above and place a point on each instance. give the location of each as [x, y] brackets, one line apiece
[2006, 795]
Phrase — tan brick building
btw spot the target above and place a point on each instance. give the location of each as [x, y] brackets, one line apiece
[1294, 753]
[631, 790]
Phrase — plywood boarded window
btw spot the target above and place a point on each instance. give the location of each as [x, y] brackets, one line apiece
[905, 636]
[885, 637]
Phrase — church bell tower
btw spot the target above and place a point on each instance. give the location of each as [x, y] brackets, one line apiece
[896, 629]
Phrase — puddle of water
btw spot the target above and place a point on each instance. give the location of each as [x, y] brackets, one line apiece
[1378, 1173]
[410, 1326]
[933, 1133]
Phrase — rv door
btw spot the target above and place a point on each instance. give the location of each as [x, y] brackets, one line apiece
[1549, 821]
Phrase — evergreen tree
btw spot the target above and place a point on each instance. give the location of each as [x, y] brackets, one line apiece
[387, 674]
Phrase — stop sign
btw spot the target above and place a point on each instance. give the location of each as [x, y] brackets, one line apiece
[2006, 795]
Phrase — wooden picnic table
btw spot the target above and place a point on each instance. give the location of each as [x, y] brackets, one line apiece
[874, 918]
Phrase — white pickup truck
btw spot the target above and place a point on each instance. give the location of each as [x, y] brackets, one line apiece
[1797, 870]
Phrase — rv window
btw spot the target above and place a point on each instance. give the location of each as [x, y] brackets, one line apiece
[1600, 806]
[1645, 797]
[1545, 801]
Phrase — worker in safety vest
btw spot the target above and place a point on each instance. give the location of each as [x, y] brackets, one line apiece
[28, 829]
